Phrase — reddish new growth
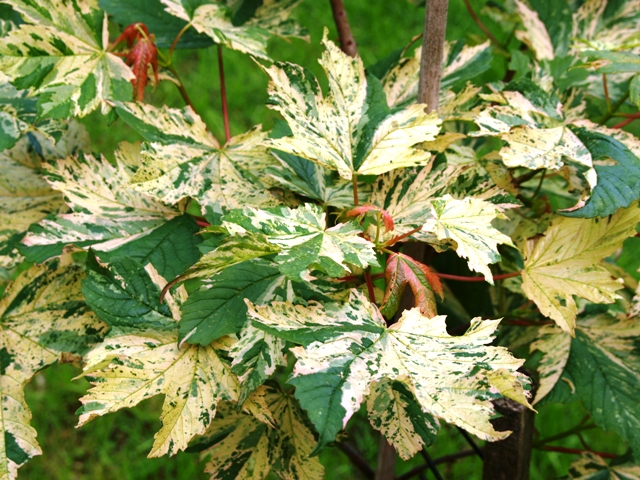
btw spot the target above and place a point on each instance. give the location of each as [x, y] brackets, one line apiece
[142, 53]
[364, 209]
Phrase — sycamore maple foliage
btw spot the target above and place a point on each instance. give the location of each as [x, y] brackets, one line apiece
[258, 284]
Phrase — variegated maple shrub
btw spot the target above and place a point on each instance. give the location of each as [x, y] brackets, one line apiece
[273, 286]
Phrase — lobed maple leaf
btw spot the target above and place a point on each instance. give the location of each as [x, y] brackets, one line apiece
[364, 209]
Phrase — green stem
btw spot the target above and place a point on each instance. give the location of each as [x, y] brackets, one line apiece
[181, 88]
[605, 86]
[223, 95]
[535, 194]
[614, 109]
[178, 37]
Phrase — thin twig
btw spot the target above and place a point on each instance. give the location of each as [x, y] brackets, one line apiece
[576, 451]
[357, 459]
[528, 323]
[437, 461]
[397, 238]
[482, 26]
[605, 86]
[223, 95]
[430, 464]
[624, 123]
[460, 278]
[370, 290]
[470, 441]
[347, 42]
[535, 194]
[527, 176]
[178, 37]
[614, 108]
[565, 434]
[183, 91]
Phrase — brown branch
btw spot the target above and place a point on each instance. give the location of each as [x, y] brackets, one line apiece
[358, 461]
[370, 290]
[223, 95]
[528, 323]
[435, 26]
[482, 26]
[347, 42]
[576, 451]
[624, 123]
[436, 461]
[460, 278]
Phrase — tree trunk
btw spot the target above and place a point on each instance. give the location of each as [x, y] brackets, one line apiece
[435, 26]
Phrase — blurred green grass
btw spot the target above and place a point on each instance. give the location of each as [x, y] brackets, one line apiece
[115, 446]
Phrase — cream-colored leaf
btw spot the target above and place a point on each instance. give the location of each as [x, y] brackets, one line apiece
[467, 222]
[535, 33]
[564, 262]
[106, 210]
[252, 449]
[554, 345]
[593, 467]
[63, 51]
[333, 130]
[128, 368]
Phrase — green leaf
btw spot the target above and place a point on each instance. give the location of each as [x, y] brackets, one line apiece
[394, 411]
[164, 26]
[219, 309]
[128, 368]
[106, 211]
[185, 160]
[244, 447]
[62, 54]
[303, 240]
[467, 223]
[593, 467]
[351, 129]
[255, 358]
[618, 184]
[170, 248]
[313, 180]
[603, 371]
[564, 262]
[124, 295]
[215, 20]
[347, 349]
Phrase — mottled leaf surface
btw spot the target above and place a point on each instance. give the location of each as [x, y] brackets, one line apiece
[467, 223]
[214, 19]
[128, 368]
[249, 448]
[554, 344]
[106, 211]
[564, 262]
[303, 239]
[593, 467]
[340, 360]
[62, 53]
[351, 129]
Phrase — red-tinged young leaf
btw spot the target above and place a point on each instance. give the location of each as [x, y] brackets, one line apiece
[143, 54]
[364, 209]
[402, 271]
[133, 32]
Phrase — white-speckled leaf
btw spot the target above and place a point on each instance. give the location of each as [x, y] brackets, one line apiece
[304, 240]
[184, 160]
[105, 208]
[346, 130]
[554, 345]
[128, 368]
[333, 375]
[62, 53]
[592, 30]
[17, 437]
[394, 411]
[43, 315]
[593, 467]
[535, 33]
[214, 19]
[564, 262]
[467, 223]
[252, 449]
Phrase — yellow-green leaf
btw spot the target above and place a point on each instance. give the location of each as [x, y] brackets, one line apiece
[128, 368]
[554, 345]
[564, 262]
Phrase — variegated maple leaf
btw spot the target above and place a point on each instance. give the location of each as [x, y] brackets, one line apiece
[185, 160]
[346, 348]
[61, 52]
[42, 317]
[593, 467]
[106, 211]
[214, 18]
[251, 448]
[564, 262]
[350, 130]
